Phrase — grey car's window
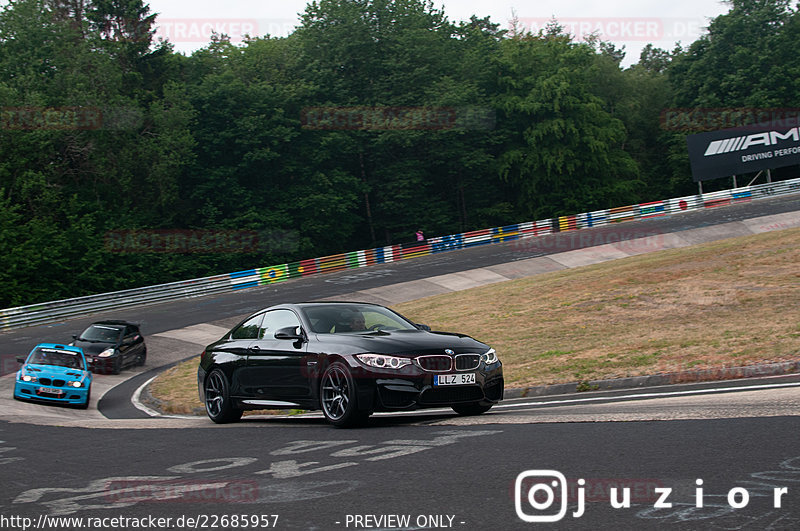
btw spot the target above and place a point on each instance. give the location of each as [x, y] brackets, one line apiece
[248, 329]
[104, 333]
[275, 320]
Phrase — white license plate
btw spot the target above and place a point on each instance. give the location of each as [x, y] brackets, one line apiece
[454, 379]
[50, 390]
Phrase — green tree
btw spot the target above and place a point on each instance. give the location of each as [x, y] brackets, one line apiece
[563, 150]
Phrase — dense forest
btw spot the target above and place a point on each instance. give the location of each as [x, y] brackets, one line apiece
[373, 119]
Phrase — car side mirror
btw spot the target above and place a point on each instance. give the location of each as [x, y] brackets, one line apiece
[21, 359]
[74, 336]
[423, 327]
[293, 333]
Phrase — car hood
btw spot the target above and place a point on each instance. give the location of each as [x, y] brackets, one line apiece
[408, 342]
[91, 348]
[53, 371]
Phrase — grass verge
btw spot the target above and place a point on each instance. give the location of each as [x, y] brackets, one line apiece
[721, 304]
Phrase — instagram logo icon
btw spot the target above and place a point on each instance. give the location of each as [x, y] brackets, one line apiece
[541, 496]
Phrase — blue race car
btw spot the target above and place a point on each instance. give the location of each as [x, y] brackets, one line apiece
[56, 374]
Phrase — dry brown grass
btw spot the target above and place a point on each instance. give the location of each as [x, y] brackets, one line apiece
[176, 388]
[722, 304]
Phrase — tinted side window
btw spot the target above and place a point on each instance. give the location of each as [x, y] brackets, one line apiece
[248, 329]
[275, 320]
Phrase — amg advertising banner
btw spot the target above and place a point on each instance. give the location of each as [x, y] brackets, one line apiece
[738, 151]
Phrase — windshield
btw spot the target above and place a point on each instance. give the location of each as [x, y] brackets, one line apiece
[353, 318]
[101, 333]
[61, 358]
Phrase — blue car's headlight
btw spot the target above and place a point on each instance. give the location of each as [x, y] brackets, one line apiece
[489, 357]
[74, 383]
[28, 378]
[382, 361]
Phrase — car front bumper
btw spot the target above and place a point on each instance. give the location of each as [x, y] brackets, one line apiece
[33, 392]
[384, 391]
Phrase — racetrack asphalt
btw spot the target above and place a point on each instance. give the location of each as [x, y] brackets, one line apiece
[179, 330]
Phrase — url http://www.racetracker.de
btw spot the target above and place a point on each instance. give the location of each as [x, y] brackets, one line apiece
[199, 521]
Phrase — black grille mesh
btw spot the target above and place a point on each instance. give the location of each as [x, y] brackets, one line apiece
[467, 362]
[435, 363]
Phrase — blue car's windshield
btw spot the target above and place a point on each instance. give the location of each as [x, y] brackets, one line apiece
[61, 358]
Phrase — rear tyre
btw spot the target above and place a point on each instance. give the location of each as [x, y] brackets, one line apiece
[219, 405]
[469, 410]
[339, 398]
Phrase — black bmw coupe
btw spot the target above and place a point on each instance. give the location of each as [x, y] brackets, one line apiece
[347, 359]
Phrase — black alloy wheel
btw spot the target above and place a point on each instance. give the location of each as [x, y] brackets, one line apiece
[219, 405]
[338, 397]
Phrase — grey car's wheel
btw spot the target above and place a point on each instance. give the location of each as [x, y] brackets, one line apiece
[219, 405]
[471, 409]
[338, 397]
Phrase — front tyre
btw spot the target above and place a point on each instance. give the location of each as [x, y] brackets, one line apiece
[219, 405]
[142, 358]
[85, 405]
[338, 397]
[116, 366]
[469, 410]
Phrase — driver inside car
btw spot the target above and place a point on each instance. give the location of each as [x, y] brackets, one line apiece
[357, 323]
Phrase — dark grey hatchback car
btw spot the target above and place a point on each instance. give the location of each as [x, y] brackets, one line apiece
[112, 345]
[347, 359]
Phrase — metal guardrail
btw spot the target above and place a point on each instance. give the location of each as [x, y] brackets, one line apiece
[56, 311]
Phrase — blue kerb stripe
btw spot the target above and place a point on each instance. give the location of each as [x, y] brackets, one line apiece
[245, 285]
[379, 255]
[240, 274]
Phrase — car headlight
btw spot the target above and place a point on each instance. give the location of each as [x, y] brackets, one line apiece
[75, 383]
[381, 361]
[29, 378]
[106, 353]
[489, 357]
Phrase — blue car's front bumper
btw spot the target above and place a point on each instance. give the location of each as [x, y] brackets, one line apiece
[43, 393]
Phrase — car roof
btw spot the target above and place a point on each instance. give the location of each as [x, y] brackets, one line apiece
[332, 303]
[58, 346]
[116, 322]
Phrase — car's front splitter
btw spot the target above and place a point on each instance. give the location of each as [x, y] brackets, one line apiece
[69, 395]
